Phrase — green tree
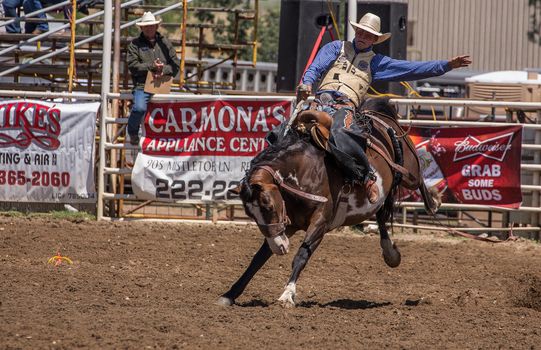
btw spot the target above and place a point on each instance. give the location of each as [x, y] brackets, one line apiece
[268, 26]
[268, 32]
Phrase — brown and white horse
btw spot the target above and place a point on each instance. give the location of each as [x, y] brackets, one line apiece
[294, 185]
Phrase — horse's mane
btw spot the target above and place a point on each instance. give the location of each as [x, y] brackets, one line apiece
[291, 142]
[381, 105]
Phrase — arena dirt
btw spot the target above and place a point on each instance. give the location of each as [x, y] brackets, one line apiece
[153, 285]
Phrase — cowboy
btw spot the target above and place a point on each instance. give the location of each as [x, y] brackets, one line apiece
[150, 51]
[346, 69]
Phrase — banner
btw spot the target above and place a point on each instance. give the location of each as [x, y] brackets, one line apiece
[198, 150]
[471, 165]
[47, 151]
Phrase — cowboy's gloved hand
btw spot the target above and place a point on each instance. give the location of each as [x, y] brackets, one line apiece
[303, 91]
[460, 61]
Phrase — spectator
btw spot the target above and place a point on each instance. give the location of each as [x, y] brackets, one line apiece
[34, 5]
[10, 10]
[150, 51]
[84, 5]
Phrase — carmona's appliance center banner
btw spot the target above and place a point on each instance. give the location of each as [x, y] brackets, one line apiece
[473, 165]
[197, 150]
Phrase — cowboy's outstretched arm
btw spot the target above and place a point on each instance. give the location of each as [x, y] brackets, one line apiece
[385, 68]
[460, 61]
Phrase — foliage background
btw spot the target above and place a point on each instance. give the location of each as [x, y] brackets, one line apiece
[268, 26]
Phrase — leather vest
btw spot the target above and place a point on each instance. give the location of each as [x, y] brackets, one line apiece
[349, 74]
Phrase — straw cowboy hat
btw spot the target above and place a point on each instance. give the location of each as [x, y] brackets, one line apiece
[372, 24]
[148, 19]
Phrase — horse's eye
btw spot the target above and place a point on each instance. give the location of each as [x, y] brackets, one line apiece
[265, 200]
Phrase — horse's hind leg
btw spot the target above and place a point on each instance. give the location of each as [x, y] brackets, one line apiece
[259, 259]
[391, 254]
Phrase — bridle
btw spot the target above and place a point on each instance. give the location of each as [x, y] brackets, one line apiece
[276, 229]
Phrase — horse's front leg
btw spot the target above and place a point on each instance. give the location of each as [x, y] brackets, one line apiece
[314, 236]
[259, 259]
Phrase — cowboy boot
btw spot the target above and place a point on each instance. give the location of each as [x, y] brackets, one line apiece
[372, 191]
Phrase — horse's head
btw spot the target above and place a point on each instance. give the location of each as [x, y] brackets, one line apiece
[263, 202]
[289, 165]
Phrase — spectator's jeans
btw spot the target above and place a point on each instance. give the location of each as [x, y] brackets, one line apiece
[66, 9]
[139, 108]
[31, 6]
[10, 10]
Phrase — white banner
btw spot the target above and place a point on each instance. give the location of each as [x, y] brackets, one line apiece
[47, 151]
[198, 150]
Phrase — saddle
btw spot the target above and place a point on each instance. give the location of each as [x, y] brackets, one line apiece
[342, 134]
[317, 124]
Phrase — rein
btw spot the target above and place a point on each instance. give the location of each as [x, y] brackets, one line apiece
[280, 182]
[455, 232]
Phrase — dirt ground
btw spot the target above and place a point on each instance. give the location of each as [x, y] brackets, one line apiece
[153, 285]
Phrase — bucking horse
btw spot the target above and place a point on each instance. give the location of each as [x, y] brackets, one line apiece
[297, 184]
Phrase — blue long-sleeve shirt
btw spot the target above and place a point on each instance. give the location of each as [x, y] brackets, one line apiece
[383, 68]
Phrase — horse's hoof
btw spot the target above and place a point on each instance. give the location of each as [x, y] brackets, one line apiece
[288, 296]
[225, 301]
[392, 262]
[287, 301]
[288, 305]
[391, 254]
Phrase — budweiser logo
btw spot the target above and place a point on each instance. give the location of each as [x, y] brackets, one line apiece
[494, 148]
[22, 124]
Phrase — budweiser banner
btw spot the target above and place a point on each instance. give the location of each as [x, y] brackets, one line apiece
[198, 150]
[47, 151]
[471, 165]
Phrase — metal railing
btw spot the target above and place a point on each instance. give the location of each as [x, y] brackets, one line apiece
[533, 188]
[534, 168]
[106, 170]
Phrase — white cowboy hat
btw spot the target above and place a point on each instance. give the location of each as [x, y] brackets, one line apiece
[148, 19]
[372, 24]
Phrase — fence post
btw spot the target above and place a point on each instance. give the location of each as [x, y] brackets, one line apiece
[536, 179]
[105, 89]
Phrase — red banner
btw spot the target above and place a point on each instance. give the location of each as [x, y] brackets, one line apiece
[471, 165]
[219, 127]
[197, 150]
